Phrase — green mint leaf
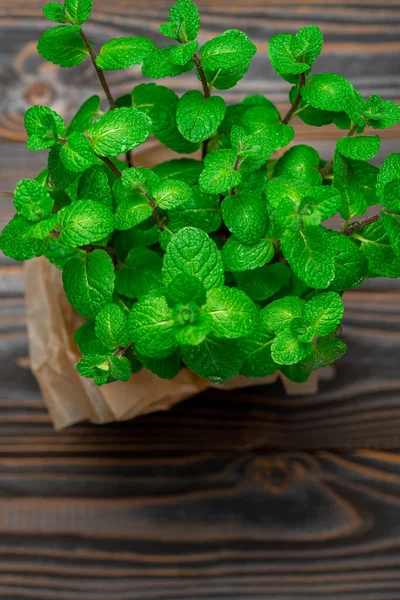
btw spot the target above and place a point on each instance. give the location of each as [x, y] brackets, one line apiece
[181, 55]
[94, 184]
[231, 50]
[234, 113]
[356, 181]
[120, 368]
[392, 228]
[59, 177]
[375, 244]
[88, 281]
[294, 54]
[214, 359]
[325, 312]
[262, 283]
[124, 241]
[63, 46]
[321, 204]
[219, 174]
[388, 183]
[84, 222]
[151, 326]
[253, 182]
[160, 104]
[351, 266]
[201, 211]
[381, 114]
[192, 325]
[288, 350]
[257, 349]
[183, 22]
[159, 64]
[279, 188]
[78, 11]
[224, 79]
[300, 162]
[77, 154]
[171, 194]
[245, 215]
[324, 354]
[139, 274]
[166, 368]
[359, 148]
[314, 116]
[120, 53]
[42, 229]
[184, 288]
[58, 254]
[232, 312]
[258, 117]
[191, 251]
[309, 255]
[44, 127]
[242, 257]
[32, 201]
[286, 218]
[112, 327]
[87, 341]
[198, 117]
[85, 115]
[253, 150]
[280, 313]
[118, 131]
[187, 170]
[327, 92]
[16, 242]
[53, 11]
[94, 366]
[134, 181]
[132, 212]
[279, 136]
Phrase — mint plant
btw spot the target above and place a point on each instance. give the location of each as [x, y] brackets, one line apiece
[225, 264]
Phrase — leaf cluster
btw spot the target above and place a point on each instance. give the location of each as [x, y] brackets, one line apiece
[228, 264]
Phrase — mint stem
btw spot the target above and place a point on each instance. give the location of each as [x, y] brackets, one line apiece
[154, 208]
[111, 165]
[104, 84]
[207, 94]
[353, 227]
[99, 72]
[296, 101]
[328, 167]
[122, 349]
[112, 253]
[235, 168]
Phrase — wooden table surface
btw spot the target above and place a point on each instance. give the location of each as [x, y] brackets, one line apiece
[244, 496]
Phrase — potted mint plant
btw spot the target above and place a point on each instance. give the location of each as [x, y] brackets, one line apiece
[224, 264]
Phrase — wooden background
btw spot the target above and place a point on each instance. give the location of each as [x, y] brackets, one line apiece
[242, 496]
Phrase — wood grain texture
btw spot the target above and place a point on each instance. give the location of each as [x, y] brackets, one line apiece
[244, 525]
[244, 496]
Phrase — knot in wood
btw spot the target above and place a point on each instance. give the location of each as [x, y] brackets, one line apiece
[39, 92]
[273, 475]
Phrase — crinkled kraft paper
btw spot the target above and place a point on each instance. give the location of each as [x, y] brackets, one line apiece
[70, 398]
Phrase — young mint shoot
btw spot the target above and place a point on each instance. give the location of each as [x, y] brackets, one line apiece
[223, 262]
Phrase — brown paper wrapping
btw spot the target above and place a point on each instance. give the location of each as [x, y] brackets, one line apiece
[70, 398]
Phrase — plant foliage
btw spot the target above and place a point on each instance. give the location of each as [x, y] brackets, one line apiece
[227, 264]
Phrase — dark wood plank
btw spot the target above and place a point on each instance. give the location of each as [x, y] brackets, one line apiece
[245, 526]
